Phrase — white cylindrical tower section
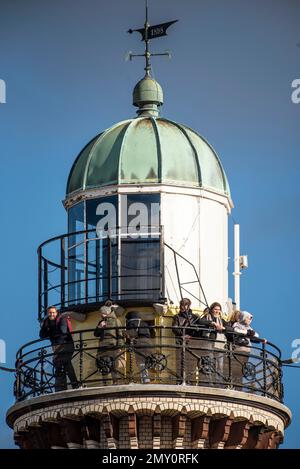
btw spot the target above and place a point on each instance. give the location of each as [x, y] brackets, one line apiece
[195, 226]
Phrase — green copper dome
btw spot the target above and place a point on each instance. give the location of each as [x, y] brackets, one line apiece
[148, 150]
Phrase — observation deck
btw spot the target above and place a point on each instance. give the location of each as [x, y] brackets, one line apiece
[178, 392]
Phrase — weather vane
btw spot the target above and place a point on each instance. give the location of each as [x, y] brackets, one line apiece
[150, 32]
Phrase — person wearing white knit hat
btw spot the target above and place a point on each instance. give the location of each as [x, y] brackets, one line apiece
[110, 354]
[241, 345]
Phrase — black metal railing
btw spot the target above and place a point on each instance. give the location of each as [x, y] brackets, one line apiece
[163, 358]
[83, 269]
[86, 268]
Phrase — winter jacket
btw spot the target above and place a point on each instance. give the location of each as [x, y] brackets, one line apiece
[137, 328]
[244, 335]
[57, 330]
[189, 324]
[215, 335]
[111, 335]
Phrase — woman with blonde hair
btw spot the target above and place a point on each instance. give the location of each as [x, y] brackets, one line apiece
[217, 342]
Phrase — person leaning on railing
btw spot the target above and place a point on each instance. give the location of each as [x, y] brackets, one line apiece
[58, 329]
[190, 327]
[241, 344]
[214, 314]
[217, 342]
[110, 354]
[139, 335]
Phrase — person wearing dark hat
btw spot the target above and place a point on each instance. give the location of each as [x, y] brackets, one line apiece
[138, 333]
[188, 329]
[111, 341]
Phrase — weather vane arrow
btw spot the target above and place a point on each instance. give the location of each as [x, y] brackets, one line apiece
[153, 32]
[150, 32]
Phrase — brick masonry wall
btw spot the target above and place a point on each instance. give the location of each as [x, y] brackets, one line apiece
[145, 432]
[144, 408]
[166, 433]
[124, 441]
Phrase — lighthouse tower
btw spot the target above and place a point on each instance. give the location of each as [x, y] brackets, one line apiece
[147, 204]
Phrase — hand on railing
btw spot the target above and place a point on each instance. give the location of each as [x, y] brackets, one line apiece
[102, 324]
[219, 327]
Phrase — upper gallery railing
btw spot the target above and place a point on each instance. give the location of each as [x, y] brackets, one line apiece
[162, 358]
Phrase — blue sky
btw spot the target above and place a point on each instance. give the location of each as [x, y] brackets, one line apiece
[233, 62]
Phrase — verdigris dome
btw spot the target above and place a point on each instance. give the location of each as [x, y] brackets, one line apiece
[148, 150]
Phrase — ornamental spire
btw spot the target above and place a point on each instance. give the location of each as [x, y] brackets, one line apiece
[148, 94]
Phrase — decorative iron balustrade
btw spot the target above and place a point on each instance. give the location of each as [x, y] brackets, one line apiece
[86, 267]
[83, 269]
[160, 359]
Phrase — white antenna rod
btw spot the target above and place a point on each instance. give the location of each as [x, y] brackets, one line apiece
[237, 272]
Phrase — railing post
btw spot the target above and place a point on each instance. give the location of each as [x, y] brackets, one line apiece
[18, 381]
[230, 358]
[80, 359]
[41, 387]
[45, 278]
[97, 269]
[183, 358]
[39, 284]
[264, 368]
[131, 352]
[62, 271]
[109, 293]
[280, 384]
[86, 268]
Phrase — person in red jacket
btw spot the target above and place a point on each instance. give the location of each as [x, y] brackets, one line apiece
[58, 329]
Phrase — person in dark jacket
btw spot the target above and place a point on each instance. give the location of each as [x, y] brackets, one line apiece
[57, 329]
[188, 329]
[138, 333]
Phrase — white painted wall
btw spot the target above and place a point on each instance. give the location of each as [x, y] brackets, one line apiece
[196, 227]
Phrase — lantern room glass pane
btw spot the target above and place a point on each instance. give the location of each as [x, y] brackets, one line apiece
[102, 271]
[140, 247]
